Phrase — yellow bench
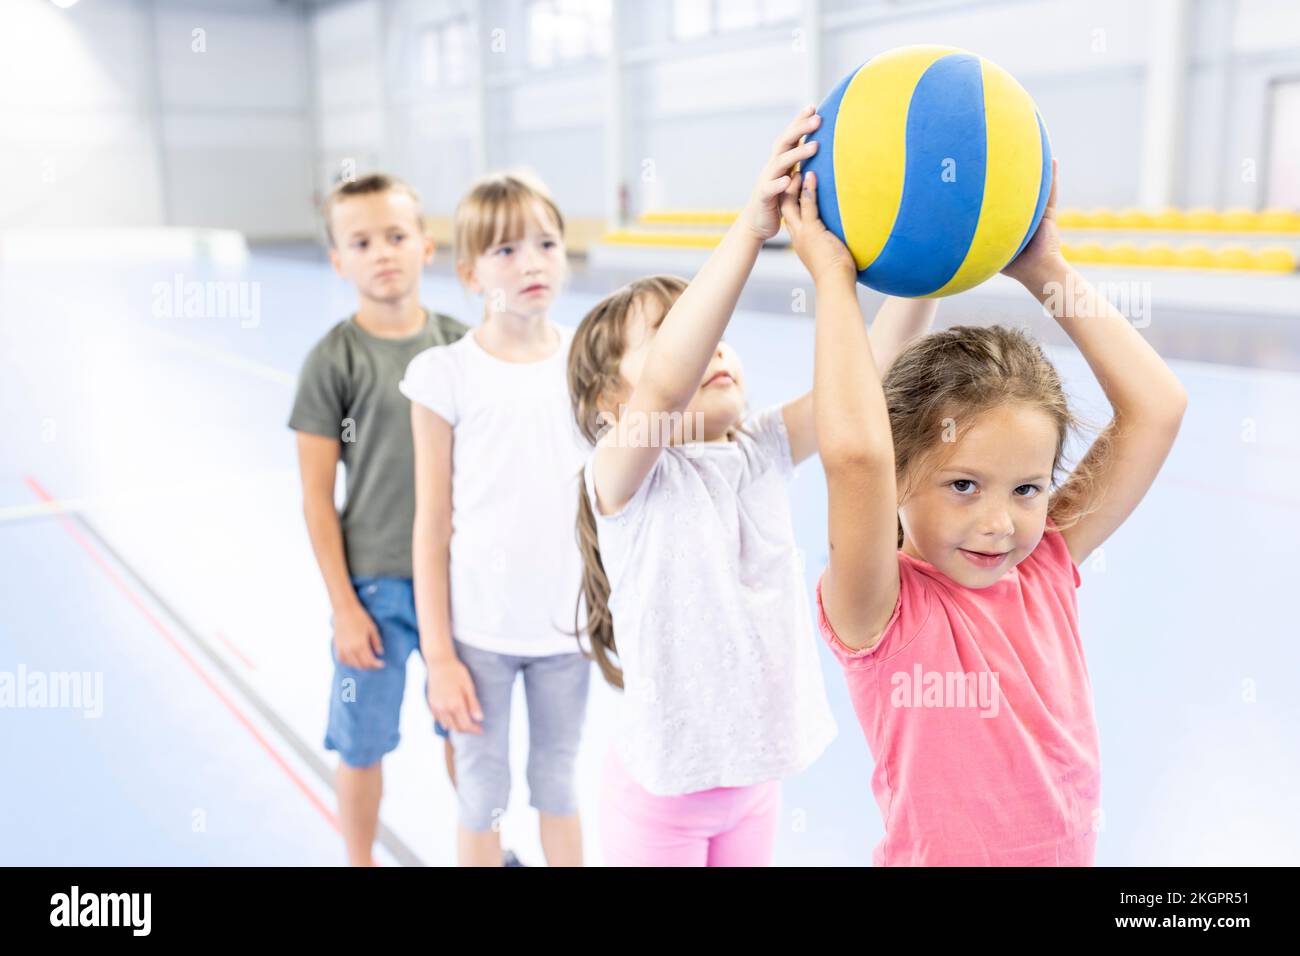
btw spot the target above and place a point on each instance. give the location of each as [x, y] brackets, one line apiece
[1180, 220]
[1165, 220]
[1275, 259]
[648, 237]
[689, 217]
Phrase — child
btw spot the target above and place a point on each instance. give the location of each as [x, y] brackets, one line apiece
[691, 560]
[496, 565]
[950, 593]
[348, 406]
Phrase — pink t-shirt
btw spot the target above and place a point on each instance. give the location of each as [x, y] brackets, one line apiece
[977, 708]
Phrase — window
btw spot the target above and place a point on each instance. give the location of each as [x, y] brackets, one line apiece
[737, 15]
[562, 31]
[444, 53]
[693, 19]
[455, 46]
[430, 40]
[775, 11]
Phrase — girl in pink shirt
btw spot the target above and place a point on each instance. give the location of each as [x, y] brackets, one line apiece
[949, 597]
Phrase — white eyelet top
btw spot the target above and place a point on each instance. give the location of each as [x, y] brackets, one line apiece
[722, 683]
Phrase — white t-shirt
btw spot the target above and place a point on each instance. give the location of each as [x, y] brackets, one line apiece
[516, 456]
[722, 683]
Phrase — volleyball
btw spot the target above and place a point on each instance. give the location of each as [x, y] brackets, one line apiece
[934, 169]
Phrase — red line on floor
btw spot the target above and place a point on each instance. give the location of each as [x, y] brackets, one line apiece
[236, 651]
[162, 629]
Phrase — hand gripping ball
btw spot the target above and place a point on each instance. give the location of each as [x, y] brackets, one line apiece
[934, 169]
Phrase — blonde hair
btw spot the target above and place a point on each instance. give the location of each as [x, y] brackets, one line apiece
[495, 208]
[955, 375]
[366, 185]
[598, 346]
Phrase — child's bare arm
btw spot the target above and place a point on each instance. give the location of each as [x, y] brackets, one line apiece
[860, 584]
[431, 534]
[1147, 398]
[898, 322]
[800, 426]
[356, 639]
[451, 689]
[689, 335]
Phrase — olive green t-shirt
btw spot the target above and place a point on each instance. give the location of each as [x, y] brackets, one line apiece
[348, 390]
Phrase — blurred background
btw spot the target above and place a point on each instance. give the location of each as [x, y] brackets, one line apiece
[239, 114]
[151, 538]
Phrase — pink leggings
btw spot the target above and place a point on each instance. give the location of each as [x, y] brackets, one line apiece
[725, 826]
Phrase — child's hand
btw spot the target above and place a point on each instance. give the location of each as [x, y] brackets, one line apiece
[452, 698]
[356, 639]
[762, 214]
[1041, 260]
[819, 249]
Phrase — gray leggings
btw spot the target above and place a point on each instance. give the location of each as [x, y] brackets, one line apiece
[556, 690]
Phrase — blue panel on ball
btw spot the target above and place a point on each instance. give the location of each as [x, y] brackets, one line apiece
[822, 162]
[1044, 185]
[937, 215]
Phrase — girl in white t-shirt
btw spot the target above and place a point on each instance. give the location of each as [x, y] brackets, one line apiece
[496, 568]
[690, 558]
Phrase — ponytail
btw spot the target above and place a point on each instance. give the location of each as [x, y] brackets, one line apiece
[599, 627]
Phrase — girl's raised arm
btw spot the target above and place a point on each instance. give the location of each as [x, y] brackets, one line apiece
[689, 334]
[1147, 399]
[860, 584]
[897, 324]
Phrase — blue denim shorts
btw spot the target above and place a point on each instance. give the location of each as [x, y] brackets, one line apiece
[366, 705]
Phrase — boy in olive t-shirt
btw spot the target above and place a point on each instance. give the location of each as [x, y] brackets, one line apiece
[348, 408]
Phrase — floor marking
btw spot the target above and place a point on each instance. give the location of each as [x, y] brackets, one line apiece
[84, 533]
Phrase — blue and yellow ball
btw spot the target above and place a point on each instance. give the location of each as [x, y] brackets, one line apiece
[934, 169]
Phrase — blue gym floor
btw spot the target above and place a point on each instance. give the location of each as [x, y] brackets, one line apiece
[174, 564]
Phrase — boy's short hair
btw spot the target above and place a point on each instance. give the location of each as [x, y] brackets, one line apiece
[364, 186]
[496, 206]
